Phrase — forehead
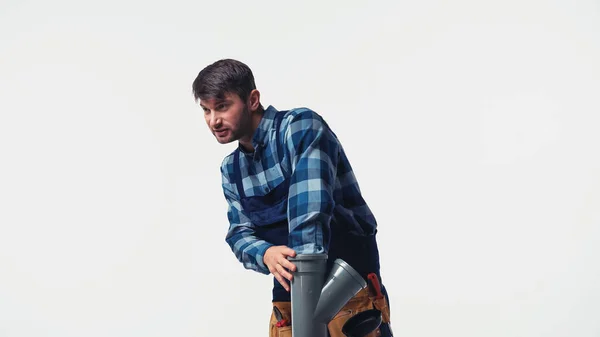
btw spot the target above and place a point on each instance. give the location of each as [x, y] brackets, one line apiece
[210, 102]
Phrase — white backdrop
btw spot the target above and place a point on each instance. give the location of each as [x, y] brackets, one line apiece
[472, 127]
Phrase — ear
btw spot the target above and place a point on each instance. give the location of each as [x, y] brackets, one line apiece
[254, 100]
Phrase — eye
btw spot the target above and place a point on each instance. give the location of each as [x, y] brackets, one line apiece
[221, 107]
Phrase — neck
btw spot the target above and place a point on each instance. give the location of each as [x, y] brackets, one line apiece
[255, 118]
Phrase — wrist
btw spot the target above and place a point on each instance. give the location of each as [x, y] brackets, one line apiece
[263, 253]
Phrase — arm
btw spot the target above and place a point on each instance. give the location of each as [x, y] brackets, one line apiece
[313, 152]
[247, 248]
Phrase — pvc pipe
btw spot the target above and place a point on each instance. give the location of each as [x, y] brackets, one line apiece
[315, 301]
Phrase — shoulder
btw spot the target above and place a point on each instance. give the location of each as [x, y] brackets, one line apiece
[227, 166]
[301, 118]
[302, 113]
[227, 179]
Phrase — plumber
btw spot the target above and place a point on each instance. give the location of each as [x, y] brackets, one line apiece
[290, 190]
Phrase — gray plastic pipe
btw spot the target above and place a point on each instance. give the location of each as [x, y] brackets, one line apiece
[316, 299]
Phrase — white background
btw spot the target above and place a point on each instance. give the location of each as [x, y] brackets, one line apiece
[472, 127]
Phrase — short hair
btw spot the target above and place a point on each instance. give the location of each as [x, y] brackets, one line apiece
[221, 77]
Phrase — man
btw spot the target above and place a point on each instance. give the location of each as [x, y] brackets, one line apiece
[290, 190]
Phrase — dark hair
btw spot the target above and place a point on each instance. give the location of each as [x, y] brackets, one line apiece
[221, 77]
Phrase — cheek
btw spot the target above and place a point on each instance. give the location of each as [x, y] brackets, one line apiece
[231, 122]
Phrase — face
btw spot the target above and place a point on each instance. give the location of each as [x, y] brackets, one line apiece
[228, 119]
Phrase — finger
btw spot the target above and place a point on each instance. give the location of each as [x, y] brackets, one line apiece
[283, 272]
[281, 280]
[288, 264]
[288, 251]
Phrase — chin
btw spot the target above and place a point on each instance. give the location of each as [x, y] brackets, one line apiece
[225, 141]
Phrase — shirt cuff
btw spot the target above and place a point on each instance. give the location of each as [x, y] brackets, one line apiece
[260, 254]
[310, 248]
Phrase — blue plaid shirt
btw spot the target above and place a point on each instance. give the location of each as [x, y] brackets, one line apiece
[323, 188]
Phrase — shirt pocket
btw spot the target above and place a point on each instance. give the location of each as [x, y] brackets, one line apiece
[275, 178]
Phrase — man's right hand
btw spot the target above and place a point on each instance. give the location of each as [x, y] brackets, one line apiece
[276, 260]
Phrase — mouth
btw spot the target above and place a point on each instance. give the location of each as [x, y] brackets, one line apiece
[221, 133]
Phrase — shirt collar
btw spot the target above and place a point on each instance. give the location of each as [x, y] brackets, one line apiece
[261, 133]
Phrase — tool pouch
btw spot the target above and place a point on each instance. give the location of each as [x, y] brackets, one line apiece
[381, 305]
[359, 303]
[286, 311]
[384, 329]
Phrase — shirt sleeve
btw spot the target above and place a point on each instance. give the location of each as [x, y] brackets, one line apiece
[313, 153]
[247, 248]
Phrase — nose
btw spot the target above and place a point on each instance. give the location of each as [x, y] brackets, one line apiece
[214, 121]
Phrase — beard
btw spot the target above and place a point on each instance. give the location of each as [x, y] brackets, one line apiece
[242, 129]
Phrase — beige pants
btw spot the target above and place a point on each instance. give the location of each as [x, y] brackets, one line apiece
[360, 302]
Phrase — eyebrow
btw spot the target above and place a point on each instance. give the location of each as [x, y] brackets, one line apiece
[218, 101]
